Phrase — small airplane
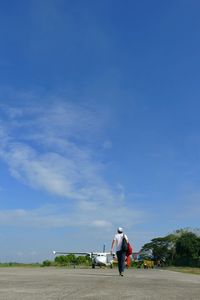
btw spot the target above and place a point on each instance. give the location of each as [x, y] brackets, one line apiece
[100, 259]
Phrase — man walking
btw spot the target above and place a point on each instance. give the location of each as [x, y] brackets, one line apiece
[120, 254]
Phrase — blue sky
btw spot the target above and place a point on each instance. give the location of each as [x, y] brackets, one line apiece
[99, 123]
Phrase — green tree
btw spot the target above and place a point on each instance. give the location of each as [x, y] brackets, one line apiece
[163, 248]
[46, 263]
[83, 260]
[188, 250]
[182, 248]
[64, 260]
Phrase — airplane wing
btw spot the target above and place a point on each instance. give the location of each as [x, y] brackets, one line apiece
[66, 253]
[90, 254]
[103, 253]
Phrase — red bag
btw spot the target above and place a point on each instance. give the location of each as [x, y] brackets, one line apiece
[129, 250]
[128, 261]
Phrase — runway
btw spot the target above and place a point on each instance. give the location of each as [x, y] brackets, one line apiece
[59, 284]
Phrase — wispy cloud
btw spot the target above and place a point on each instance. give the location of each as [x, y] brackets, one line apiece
[53, 148]
[50, 148]
[98, 216]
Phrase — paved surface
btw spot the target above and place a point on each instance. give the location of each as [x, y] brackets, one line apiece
[52, 283]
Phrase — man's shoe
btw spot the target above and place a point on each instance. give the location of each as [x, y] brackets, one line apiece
[122, 274]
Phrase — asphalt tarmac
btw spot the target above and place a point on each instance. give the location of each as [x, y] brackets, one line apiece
[59, 284]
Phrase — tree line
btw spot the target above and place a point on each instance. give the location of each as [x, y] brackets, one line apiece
[181, 248]
[68, 260]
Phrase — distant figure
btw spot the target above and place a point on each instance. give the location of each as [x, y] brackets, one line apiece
[120, 254]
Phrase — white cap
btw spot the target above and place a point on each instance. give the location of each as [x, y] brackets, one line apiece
[120, 229]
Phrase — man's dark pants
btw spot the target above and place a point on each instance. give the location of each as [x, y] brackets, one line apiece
[121, 260]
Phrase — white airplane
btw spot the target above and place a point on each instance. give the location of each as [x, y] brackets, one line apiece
[100, 259]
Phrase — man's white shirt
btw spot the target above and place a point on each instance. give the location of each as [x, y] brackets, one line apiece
[118, 240]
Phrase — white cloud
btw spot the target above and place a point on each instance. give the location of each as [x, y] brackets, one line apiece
[93, 215]
[50, 148]
[53, 148]
[102, 223]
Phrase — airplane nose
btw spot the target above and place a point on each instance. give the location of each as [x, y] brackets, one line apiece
[97, 259]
